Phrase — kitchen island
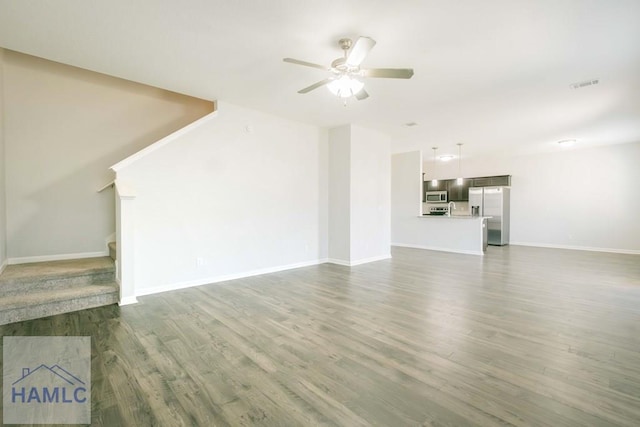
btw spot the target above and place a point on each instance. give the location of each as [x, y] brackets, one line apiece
[457, 233]
[409, 228]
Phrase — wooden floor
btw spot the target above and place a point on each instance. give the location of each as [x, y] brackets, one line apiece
[522, 336]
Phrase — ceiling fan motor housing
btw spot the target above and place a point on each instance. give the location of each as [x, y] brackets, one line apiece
[339, 66]
[345, 44]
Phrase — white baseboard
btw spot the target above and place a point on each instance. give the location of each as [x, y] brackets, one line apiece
[358, 261]
[128, 301]
[433, 248]
[3, 265]
[338, 262]
[61, 257]
[578, 248]
[217, 279]
[371, 259]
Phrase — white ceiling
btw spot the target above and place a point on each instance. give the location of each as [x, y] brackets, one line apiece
[493, 74]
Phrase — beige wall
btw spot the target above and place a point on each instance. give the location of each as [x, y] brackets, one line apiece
[3, 211]
[64, 127]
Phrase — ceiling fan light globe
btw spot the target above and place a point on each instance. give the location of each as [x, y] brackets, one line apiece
[345, 86]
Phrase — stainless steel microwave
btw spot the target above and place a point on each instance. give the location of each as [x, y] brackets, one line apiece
[436, 197]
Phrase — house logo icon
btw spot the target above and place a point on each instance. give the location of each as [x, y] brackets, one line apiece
[46, 380]
[46, 384]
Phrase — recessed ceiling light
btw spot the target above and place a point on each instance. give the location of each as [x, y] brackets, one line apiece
[567, 142]
[446, 157]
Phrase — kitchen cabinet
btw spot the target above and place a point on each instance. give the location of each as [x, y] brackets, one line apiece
[492, 181]
[501, 181]
[458, 193]
[440, 186]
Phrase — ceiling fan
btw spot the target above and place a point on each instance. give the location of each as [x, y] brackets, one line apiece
[345, 79]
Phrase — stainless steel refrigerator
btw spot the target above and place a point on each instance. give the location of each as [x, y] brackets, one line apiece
[493, 202]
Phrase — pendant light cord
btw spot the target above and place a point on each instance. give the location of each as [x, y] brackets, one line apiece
[460, 180]
[434, 181]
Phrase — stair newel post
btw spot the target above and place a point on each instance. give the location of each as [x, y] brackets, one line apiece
[125, 240]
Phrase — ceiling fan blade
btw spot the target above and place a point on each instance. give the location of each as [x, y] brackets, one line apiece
[361, 95]
[314, 86]
[360, 50]
[389, 73]
[305, 63]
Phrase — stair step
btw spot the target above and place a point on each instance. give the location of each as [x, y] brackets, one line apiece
[42, 289]
[48, 303]
[42, 276]
[112, 250]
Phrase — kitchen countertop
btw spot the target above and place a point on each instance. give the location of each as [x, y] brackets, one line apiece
[455, 216]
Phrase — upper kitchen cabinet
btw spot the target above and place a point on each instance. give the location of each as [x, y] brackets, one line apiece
[492, 181]
[440, 186]
[458, 193]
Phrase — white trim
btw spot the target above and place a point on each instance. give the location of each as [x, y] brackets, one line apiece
[338, 262]
[371, 259]
[3, 265]
[577, 248]
[109, 185]
[216, 279]
[359, 261]
[124, 191]
[162, 142]
[61, 257]
[127, 301]
[433, 248]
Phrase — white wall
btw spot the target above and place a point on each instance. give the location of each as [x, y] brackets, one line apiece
[340, 194]
[359, 195]
[370, 195]
[323, 193]
[3, 211]
[241, 202]
[64, 127]
[406, 195]
[579, 198]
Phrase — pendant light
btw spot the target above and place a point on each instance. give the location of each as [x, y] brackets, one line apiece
[434, 181]
[459, 181]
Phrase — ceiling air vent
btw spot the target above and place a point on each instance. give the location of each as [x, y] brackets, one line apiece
[586, 83]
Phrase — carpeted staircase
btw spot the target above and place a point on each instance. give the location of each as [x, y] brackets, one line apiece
[31, 291]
